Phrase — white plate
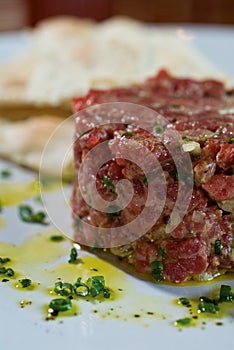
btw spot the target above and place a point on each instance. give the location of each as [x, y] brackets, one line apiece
[26, 328]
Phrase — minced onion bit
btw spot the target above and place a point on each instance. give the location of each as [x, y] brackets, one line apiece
[192, 147]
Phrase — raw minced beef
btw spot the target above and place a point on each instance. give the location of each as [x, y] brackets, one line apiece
[202, 245]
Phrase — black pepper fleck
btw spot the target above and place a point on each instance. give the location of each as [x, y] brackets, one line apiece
[150, 313]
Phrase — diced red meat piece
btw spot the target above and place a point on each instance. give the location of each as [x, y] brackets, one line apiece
[225, 157]
[220, 187]
[199, 111]
[145, 254]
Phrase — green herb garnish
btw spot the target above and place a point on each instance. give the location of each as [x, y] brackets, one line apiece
[64, 289]
[184, 301]
[208, 305]
[185, 138]
[162, 252]
[183, 321]
[7, 271]
[60, 304]
[96, 284]
[231, 140]
[4, 260]
[157, 270]
[159, 129]
[25, 283]
[225, 294]
[27, 214]
[175, 175]
[107, 181]
[174, 106]
[128, 133]
[5, 173]
[80, 289]
[56, 238]
[217, 247]
[73, 256]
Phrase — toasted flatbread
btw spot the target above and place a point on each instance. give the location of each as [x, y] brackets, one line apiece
[24, 142]
[67, 56]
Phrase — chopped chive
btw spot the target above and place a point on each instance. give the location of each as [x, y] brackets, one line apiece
[73, 256]
[174, 106]
[96, 284]
[159, 129]
[162, 252]
[25, 282]
[56, 238]
[208, 305]
[174, 120]
[107, 181]
[175, 175]
[157, 270]
[5, 173]
[106, 293]
[27, 214]
[217, 247]
[231, 140]
[225, 294]
[80, 288]
[64, 289]
[60, 304]
[184, 301]
[7, 271]
[183, 321]
[4, 260]
[128, 133]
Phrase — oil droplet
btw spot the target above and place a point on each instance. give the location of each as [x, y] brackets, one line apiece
[2, 223]
[14, 193]
[24, 303]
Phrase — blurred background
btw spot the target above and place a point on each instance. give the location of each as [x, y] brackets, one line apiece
[18, 14]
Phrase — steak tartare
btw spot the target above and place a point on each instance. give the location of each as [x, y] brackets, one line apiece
[201, 246]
